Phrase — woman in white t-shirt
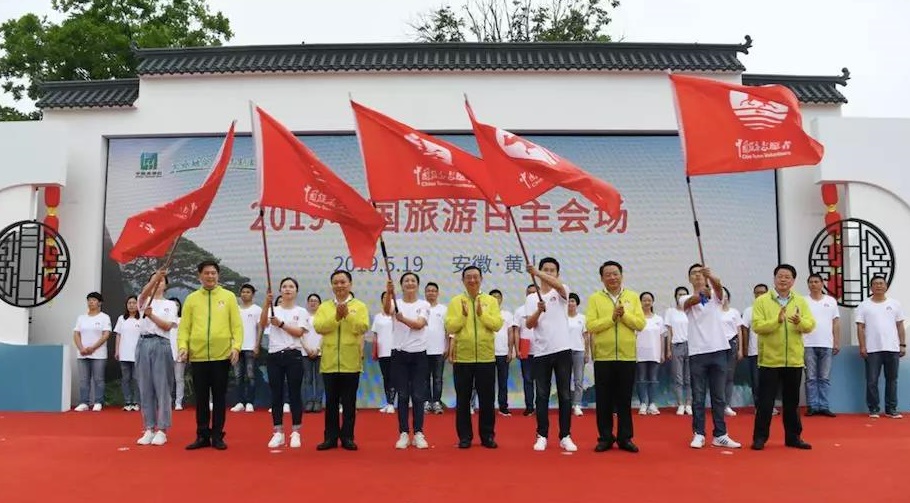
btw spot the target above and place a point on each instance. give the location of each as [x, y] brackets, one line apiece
[90, 337]
[650, 351]
[677, 351]
[155, 359]
[579, 336]
[179, 367]
[382, 341]
[733, 322]
[313, 386]
[287, 328]
[127, 329]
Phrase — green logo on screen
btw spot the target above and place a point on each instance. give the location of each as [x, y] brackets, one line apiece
[148, 165]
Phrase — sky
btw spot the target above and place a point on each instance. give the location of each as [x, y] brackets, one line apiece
[794, 37]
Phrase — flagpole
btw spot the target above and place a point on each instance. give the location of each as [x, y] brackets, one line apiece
[265, 252]
[167, 264]
[524, 251]
[701, 250]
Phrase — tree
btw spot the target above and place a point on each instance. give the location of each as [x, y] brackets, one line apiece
[95, 39]
[517, 21]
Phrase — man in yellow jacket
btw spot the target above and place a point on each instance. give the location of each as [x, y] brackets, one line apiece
[613, 317]
[342, 322]
[210, 336]
[781, 318]
[473, 318]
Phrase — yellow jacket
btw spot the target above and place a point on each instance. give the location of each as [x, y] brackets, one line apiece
[210, 325]
[342, 341]
[474, 336]
[612, 341]
[781, 344]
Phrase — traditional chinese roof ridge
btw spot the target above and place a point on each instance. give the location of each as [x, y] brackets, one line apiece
[116, 93]
[466, 56]
[809, 89]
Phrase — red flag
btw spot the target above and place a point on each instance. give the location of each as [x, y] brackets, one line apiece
[523, 170]
[729, 128]
[152, 232]
[292, 177]
[403, 163]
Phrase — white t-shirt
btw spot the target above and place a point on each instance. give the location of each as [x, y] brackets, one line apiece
[825, 312]
[250, 316]
[279, 338]
[881, 320]
[678, 323]
[91, 328]
[732, 321]
[577, 331]
[128, 331]
[406, 338]
[312, 339]
[753, 337]
[551, 335]
[648, 342]
[518, 319]
[706, 328]
[501, 342]
[165, 310]
[436, 330]
[382, 328]
[172, 336]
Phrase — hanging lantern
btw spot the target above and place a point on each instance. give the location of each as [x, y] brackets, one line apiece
[51, 251]
[830, 197]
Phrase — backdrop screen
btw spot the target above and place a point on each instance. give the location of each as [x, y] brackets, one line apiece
[653, 239]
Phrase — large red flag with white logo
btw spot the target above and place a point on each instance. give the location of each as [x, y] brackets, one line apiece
[152, 232]
[522, 170]
[292, 177]
[730, 128]
[403, 163]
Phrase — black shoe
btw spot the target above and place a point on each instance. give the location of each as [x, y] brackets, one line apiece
[826, 413]
[758, 445]
[810, 412]
[348, 445]
[489, 443]
[799, 444]
[603, 446]
[218, 443]
[504, 411]
[627, 446]
[199, 443]
[527, 412]
[464, 444]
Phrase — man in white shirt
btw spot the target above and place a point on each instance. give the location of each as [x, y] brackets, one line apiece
[503, 349]
[525, 354]
[549, 317]
[749, 339]
[821, 345]
[245, 368]
[882, 343]
[436, 345]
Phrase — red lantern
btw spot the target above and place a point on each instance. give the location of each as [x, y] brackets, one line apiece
[52, 196]
[831, 218]
[829, 194]
[835, 285]
[51, 252]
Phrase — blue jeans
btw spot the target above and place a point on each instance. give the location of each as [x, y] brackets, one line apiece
[890, 360]
[436, 365]
[409, 372]
[709, 371]
[91, 381]
[527, 380]
[313, 386]
[646, 373]
[818, 370]
[245, 373]
[128, 383]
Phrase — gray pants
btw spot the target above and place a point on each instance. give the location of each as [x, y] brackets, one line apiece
[731, 371]
[180, 378]
[681, 378]
[128, 382]
[578, 376]
[155, 371]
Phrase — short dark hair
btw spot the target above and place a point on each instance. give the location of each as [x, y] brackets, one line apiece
[815, 275]
[292, 280]
[406, 274]
[429, 284]
[548, 260]
[208, 263]
[727, 293]
[642, 296]
[175, 300]
[532, 285]
[340, 271]
[247, 286]
[878, 276]
[574, 296]
[126, 310]
[95, 295]
[760, 285]
[495, 291]
[693, 266]
[165, 279]
[785, 267]
[609, 263]
[318, 298]
[471, 267]
[676, 292]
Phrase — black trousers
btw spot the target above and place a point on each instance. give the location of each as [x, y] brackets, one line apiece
[210, 383]
[770, 380]
[409, 373]
[385, 367]
[340, 389]
[543, 369]
[468, 377]
[613, 385]
[502, 382]
[287, 366]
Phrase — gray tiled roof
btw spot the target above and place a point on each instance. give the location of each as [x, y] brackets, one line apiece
[115, 93]
[809, 89]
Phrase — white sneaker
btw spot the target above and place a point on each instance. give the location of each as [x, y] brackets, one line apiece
[249, 407]
[473, 410]
[295, 440]
[136, 407]
[680, 410]
[698, 441]
[179, 406]
[567, 444]
[688, 410]
[577, 410]
[96, 407]
[643, 410]
[775, 412]
[420, 441]
[540, 444]
[403, 440]
[277, 440]
[894, 415]
[873, 415]
[160, 438]
[211, 406]
[729, 412]
[127, 408]
[653, 410]
[725, 441]
[237, 408]
[386, 410]
[286, 409]
[81, 407]
[146, 438]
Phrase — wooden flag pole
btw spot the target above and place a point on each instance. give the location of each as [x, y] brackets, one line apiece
[524, 251]
[701, 250]
[167, 264]
[265, 251]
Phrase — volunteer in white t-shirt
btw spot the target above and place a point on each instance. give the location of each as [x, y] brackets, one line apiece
[548, 315]
[821, 344]
[90, 337]
[287, 327]
[749, 340]
[733, 322]
[128, 329]
[525, 354]
[313, 385]
[579, 336]
[503, 349]
[154, 359]
[409, 357]
[382, 344]
[245, 368]
[179, 366]
[649, 352]
[709, 352]
[677, 324]
[436, 348]
[882, 343]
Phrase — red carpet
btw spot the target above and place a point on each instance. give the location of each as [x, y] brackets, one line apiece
[93, 457]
